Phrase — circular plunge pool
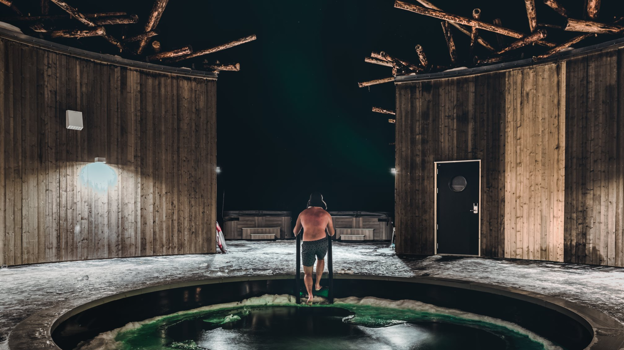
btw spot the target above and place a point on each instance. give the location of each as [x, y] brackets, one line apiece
[367, 314]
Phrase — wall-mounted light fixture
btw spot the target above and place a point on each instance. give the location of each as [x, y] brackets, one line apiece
[218, 170]
[73, 120]
[393, 171]
[100, 160]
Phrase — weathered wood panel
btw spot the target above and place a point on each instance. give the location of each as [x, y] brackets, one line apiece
[149, 126]
[595, 161]
[553, 175]
[440, 120]
[534, 163]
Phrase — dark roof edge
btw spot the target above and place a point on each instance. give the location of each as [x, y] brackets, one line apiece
[564, 55]
[102, 58]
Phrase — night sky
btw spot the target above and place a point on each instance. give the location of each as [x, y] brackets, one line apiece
[293, 120]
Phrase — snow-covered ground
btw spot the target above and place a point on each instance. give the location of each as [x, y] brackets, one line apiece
[28, 289]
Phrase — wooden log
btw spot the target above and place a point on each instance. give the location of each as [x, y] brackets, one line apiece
[527, 40]
[422, 57]
[531, 15]
[490, 60]
[457, 19]
[378, 62]
[450, 42]
[376, 82]
[111, 39]
[398, 63]
[74, 13]
[476, 14]
[170, 54]
[111, 21]
[152, 21]
[140, 37]
[579, 25]
[59, 17]
[156, 46]
[555, 5]
[234, 67]
[45, 6]
[12, 6]
[77, 33]
[562, 47]
[39, 28]
[500, 40]
[216, 48]
[383, 111]
[480, 40]
[593, 8]
[392, 121]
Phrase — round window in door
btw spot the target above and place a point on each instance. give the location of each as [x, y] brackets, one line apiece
[458, 184]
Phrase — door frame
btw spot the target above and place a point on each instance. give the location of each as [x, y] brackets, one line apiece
[435, 203]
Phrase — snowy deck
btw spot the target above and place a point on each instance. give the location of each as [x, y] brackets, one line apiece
[28, 289]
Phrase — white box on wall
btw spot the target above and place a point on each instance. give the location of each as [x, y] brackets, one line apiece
[73, 120]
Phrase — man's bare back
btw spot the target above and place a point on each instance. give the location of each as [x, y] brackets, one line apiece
[314, 221]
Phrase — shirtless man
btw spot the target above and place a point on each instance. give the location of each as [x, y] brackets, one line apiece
[314, 220]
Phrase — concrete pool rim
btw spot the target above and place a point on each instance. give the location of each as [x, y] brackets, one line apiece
[35, 332]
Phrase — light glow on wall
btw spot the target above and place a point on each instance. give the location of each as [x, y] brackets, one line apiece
[98, 176]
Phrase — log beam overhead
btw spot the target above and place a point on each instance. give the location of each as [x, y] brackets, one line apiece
[76, 33]
[579, 25]
[563, 46]
[61, 17]
[12, 6]
[216, 48]
[378, 62]
[383, 111]
[555, 5]
[234, 67]
[110, 21]
[140, 37]
[170, 54]
[480, 40]
[457, 19]
[593, 8]
[450, 42]
[476, 14]
[376, 82]
[152, 21]
[531, 14]
[74, 13]
[422, 57]
[527, 40]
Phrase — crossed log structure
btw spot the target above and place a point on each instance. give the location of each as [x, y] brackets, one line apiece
[537, 35]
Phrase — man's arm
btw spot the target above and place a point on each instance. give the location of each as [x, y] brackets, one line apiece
[330, 226]
[297, 228]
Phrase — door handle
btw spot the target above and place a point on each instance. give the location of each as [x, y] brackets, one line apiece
[475, 208]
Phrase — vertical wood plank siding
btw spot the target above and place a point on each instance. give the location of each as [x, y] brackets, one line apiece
[595, 161]
[550, 140]
[440, 120]
[157, 131]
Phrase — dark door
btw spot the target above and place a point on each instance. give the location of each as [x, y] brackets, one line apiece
[458, 208]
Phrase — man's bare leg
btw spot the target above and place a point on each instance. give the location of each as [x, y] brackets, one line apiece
[307, 270]
[320, 266]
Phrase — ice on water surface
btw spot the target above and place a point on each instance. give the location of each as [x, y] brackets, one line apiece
[271, 321]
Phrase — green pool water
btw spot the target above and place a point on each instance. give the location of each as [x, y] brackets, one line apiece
[343, 325]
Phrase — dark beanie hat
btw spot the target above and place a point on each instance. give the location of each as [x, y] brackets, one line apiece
[316, 200]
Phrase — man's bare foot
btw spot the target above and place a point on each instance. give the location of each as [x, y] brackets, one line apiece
[317, 288]
[310, 299]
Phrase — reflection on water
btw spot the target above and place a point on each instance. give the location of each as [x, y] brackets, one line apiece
[321, 328]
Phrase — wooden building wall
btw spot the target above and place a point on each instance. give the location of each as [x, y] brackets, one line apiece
[451, 119]
[156, 130]
[550, 140]
[594, 212]
[534, 162]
